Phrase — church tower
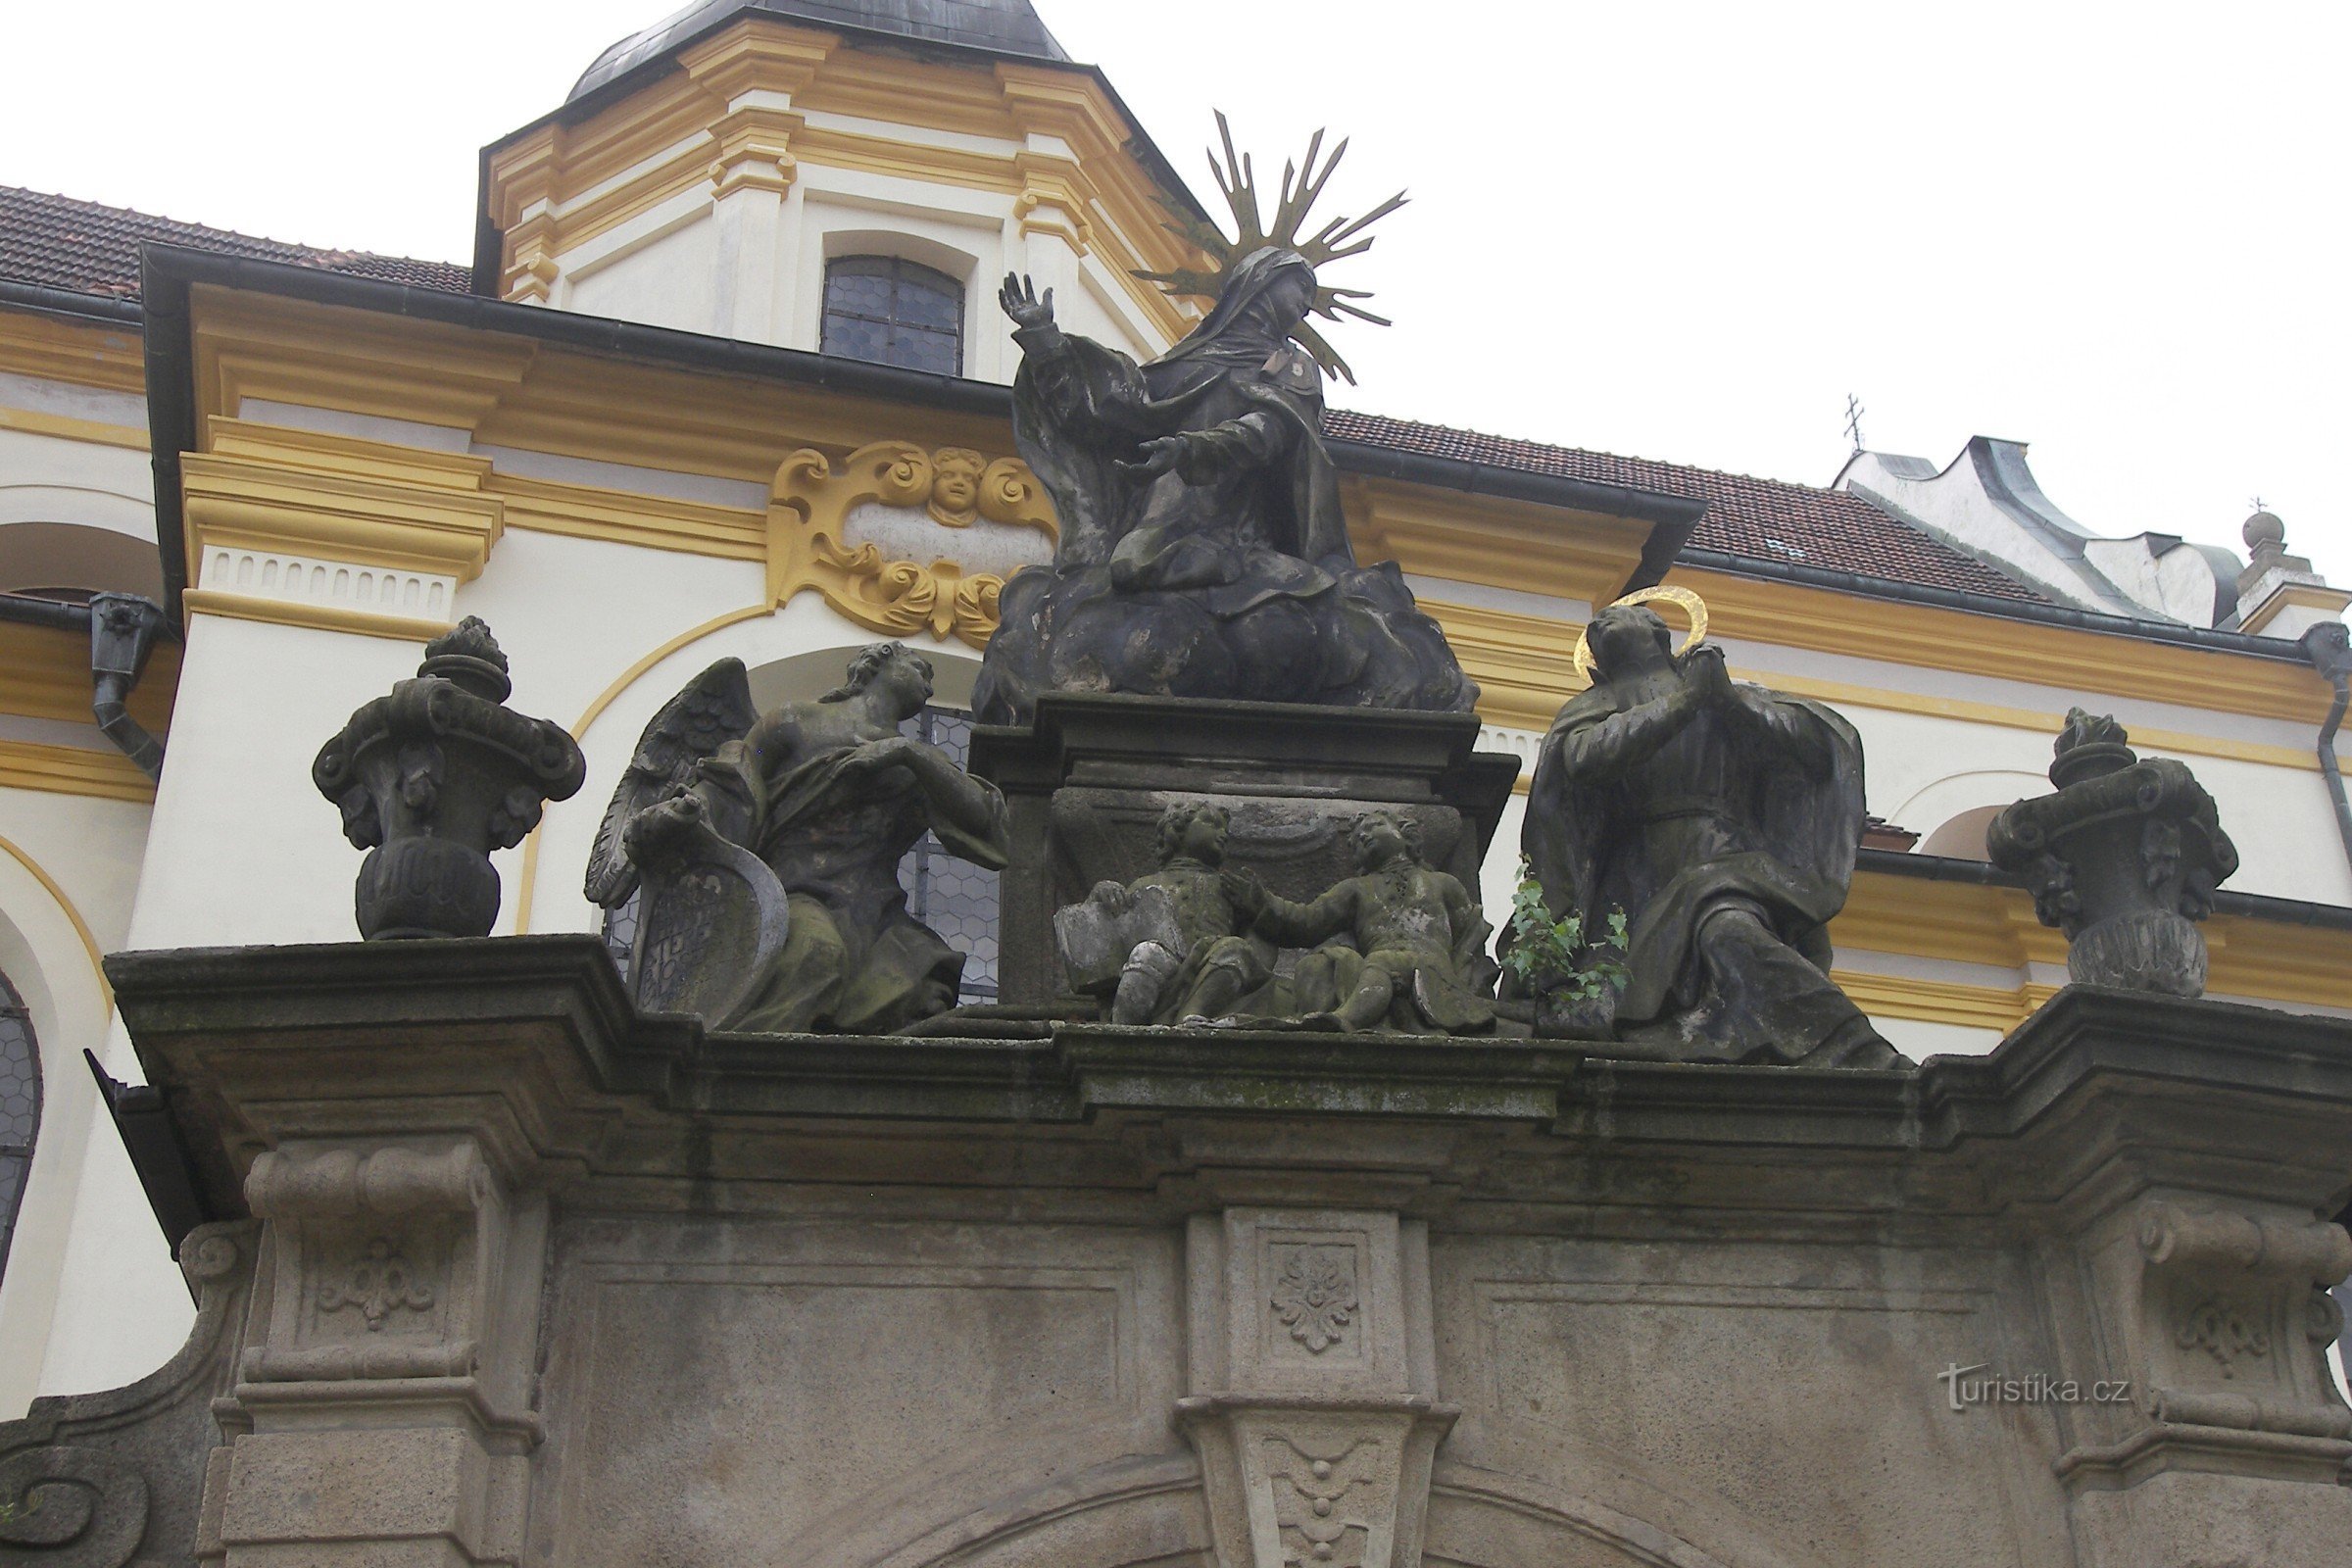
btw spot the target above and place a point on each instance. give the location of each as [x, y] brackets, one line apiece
[850, 175]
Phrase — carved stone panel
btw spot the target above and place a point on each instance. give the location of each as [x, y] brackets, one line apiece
[1300, 1300]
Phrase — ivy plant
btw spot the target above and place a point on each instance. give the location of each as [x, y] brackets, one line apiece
[1552, 957]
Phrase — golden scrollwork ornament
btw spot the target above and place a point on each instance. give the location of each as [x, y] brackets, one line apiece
[809, 505]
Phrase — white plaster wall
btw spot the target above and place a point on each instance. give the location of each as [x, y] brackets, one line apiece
[47, 478]
[1922, 769]
[751, 264]
[90, 849]
[243, 847]
[669, 281]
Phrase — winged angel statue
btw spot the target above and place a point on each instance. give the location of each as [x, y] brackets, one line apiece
[765, 849]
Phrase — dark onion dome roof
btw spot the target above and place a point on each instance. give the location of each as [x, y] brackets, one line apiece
[999, 26]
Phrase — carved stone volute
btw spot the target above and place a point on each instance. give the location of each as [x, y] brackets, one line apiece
[2124, 859]
[431, 778]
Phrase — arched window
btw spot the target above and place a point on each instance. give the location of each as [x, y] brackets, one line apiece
[892, 311]
[19, 1107]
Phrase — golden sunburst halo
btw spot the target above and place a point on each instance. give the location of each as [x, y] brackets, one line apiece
[1302, 186]
[1694, 607]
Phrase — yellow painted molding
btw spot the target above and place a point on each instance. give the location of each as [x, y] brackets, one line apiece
[335, 357]
[630, 517]
[65, 428]
[1525, 667]
[319, 617]
[1843, 694]
[1929, 637]
[52, 349]
[1494, 541]
[1969, 923]
[73, 770]
[1886, 995]
[45, 674]
[807, 542]
[81, 928]
[754, 151]
[2298, 595]
[564, 186]
[337, 499]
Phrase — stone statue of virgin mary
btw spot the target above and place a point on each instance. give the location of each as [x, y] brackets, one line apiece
[1202, 549]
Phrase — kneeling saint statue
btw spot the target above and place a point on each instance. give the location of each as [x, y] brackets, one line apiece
[1722, 821]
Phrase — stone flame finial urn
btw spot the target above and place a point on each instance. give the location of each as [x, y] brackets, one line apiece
[2124, 859]
[431, 778]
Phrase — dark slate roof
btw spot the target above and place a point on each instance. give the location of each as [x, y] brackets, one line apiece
[85, 248]
[1001, 26]
[1764, 519]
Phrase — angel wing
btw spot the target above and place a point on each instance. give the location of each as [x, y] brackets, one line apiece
[714, 708]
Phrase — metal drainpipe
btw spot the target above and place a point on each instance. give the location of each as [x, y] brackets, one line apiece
[122, 628]
[2329, 645]
[122, 633]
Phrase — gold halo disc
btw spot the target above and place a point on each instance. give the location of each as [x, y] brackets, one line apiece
[1691, 606]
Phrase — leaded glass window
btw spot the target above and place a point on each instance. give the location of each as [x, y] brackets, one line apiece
[19, 1107]
[952, 896]
[892, 311]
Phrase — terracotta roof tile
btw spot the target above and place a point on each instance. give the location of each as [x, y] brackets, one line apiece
[1765, 518]
[85, 248]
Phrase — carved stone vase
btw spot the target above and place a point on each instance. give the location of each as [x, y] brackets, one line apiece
[431, 778]
[2124, 859]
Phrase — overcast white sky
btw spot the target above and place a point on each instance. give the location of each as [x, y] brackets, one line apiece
[1682, 231]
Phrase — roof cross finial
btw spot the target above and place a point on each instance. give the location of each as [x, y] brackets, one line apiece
[1854, 422]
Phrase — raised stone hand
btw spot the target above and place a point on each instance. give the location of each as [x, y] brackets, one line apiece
[665, 825]
[1244, 892]
[1162, 455]
[1019, 298]
[896, 751]
[1709, 678]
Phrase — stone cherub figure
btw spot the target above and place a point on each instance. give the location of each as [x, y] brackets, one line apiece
[1199, 971]
[1203, 550]
[1410, 943]
[769, 847]
[1722, 819]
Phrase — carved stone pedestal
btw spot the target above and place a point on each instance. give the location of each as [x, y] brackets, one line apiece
[1313, 1379]
[1086, 782]
[382, 1411]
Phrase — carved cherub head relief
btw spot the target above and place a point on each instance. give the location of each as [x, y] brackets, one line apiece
[956, 474]
[1196, 829]
[1376, 837]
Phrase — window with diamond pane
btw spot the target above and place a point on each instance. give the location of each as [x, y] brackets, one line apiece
[19, 1107]
[892, 311]
[952, 896]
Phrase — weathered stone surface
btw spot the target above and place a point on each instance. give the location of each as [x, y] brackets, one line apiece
[2124, 859]
[431, 778]
[99, 1480]
[1088, 784]
[1718, 821]
[1110, 1294]
[1204, 552]
[765, 851]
